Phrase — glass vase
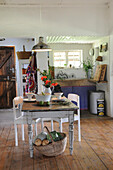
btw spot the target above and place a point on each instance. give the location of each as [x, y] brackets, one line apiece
[89, 74]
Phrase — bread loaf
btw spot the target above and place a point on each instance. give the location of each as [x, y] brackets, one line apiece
[45, 142]
[38, 142]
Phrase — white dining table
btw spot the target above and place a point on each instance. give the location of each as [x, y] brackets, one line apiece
[55, 110]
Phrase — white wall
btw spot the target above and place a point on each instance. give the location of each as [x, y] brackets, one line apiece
[111, 75]
[72, 73]
[104, 86]
[111, 58]
[18, 43]
[78, 73]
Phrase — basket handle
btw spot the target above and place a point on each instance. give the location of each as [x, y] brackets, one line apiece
[49, 134]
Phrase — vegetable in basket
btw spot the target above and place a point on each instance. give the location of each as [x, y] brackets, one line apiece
[55, 135]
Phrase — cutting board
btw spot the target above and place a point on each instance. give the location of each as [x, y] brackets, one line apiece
[100, 73]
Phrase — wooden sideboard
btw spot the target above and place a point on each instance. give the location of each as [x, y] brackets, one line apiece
[74, 82]
[78, 86]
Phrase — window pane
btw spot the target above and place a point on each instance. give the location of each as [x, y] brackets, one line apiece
[74, 53]
[75, 58]
[59, 53]
[59, 59]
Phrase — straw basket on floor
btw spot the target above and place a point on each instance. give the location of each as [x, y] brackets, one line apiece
[54, 148]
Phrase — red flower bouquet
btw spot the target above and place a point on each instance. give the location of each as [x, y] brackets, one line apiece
[47, 79]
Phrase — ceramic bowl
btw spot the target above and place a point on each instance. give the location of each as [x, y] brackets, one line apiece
[46, 97]
[58, 95]
[29, 95]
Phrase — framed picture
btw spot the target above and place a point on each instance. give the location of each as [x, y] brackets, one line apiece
[104, 47]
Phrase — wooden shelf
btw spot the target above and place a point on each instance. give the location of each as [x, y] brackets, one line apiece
[94, 81]
[91, 80]
[102, 82]
[74, 82]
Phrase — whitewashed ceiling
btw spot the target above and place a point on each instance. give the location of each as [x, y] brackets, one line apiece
[72, 39]
[34, 18]
[51, 2]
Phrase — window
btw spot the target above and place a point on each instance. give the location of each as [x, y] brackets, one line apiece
[68, 58]
[59, 59]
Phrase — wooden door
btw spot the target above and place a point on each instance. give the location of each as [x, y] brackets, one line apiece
[7, 76]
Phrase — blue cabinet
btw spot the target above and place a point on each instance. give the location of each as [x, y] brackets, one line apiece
[82, 91]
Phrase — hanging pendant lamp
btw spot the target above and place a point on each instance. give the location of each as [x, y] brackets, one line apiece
[41, 46]
[2, 39]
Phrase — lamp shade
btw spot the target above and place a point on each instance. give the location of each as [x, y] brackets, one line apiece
[41, 46]
[2, 39]
[99, 58]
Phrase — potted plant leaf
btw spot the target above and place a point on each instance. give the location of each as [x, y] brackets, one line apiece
[87, 66]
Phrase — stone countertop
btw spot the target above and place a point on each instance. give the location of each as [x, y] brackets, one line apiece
[74, 82]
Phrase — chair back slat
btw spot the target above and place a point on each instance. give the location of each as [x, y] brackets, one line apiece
[17, 105]
[18, 100]
[74, 97]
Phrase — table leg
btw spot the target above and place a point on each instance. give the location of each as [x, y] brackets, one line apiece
[30, 134]
[71, 135]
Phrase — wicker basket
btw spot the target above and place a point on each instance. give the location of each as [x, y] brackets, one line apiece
[54, 148]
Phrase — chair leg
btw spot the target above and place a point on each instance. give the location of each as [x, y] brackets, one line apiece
[23, 132]
[42, 125]
[60, 125]
[35, 129]
[51, 125]
[16, 136]
[79, 132]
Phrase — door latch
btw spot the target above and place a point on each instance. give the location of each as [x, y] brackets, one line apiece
[7, 77]
[13, 70]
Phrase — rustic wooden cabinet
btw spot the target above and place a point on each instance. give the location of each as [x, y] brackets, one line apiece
[23, 64]
[78, 86]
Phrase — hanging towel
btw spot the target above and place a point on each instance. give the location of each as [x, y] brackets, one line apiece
[31, 75]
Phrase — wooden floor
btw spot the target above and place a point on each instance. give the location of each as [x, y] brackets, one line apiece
[95, 151]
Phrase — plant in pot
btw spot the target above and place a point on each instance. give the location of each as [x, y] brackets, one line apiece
[87, 66]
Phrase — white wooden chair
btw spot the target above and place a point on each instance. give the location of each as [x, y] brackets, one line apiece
[44, 120]
[71, 97]
[76, 98]
[20, 119]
